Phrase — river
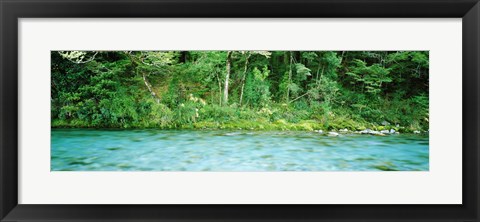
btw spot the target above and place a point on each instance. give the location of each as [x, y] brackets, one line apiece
[214, 150]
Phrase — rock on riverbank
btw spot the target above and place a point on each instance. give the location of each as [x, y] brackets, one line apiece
[366, 131]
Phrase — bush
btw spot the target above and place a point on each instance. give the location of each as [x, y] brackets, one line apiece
[160, 116]
[217, 113]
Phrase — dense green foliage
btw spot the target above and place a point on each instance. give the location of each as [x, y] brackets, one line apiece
[277, 90]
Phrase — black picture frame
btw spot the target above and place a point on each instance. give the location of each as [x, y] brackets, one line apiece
[11, 11]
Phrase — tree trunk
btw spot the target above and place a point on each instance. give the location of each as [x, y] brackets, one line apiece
[289, 77]
[299, 97]
[243, 78]
[227, 77]
[318, 69]
[321, 74]
[149, 87]
[219, 90]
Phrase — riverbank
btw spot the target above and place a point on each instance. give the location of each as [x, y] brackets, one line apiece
[262, 124]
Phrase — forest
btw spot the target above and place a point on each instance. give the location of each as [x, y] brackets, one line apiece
[241, 90]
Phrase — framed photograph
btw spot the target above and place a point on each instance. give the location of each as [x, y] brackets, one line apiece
[278, 110]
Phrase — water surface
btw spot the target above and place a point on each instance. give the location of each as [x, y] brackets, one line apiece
[199, 150]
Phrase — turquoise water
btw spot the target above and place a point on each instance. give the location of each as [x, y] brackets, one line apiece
[185, 150]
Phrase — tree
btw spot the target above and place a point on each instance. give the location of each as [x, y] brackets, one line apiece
[257, 89]
[151, 62]
[78, 57]
[371, 77]
[247, 55]
[227, 77]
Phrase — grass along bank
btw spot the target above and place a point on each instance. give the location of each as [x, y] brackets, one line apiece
[197, 115]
